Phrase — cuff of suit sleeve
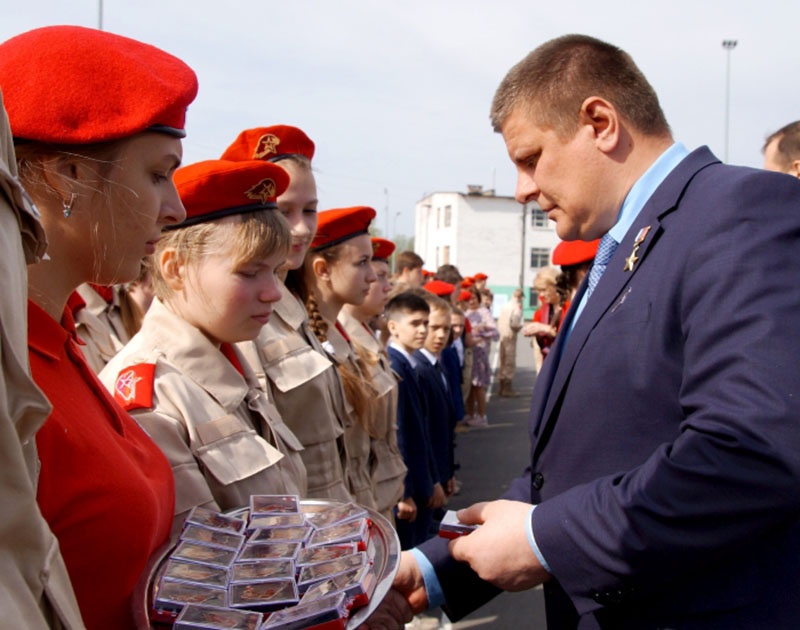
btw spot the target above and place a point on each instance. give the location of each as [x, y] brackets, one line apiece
[532, 541]
[433, 588]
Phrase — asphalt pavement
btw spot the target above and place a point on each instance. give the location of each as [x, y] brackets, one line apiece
[489, 459]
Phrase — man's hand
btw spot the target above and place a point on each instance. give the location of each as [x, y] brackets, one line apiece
[410, 584]
[392, 614]
[499, 551]
[407, 510]
[438, 499]
[534, 329]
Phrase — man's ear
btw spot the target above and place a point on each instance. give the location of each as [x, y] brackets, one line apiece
[173, 269]
[603, 119]
[391, 326]
[794, 168]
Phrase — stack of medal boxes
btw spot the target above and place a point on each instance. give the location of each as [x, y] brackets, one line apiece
[283, 568]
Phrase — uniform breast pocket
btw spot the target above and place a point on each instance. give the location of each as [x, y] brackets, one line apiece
[230, 450]
[289, 363]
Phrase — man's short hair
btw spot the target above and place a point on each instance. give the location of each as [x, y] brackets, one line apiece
[553, 81]
[405, 303]
[435, 303]
[448, 273]
[788, 145]
[407, 260]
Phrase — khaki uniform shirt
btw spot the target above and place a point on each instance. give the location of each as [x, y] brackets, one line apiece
[359, 479]
[304, 385]
[387, 468]
[99, 326]
[224, 438]
[35, 591]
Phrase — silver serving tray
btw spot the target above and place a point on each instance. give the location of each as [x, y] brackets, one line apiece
[383, 550]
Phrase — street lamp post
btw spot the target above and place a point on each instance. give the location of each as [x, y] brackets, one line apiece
[728, 45]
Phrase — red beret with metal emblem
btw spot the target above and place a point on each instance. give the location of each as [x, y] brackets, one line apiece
[574, 252]
[270, 143]
[219, 188]
[76, 85]
[381, 248]
[439, 287]
[340, 225]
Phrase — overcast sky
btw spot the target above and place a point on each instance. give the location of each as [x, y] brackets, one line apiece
[396, 93]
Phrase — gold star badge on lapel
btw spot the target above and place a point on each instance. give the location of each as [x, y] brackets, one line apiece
[630, 261]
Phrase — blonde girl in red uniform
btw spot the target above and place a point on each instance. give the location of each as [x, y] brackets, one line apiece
[97, 121]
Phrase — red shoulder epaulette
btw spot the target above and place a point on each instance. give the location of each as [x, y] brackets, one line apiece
[134, 386]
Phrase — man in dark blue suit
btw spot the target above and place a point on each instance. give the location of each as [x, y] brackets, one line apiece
[664, 486]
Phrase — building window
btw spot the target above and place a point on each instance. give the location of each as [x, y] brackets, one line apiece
[538, 218]
[448, 210]
[437, 257]
[438, 217]
[446, 253]
[540, 257]
[533, 300]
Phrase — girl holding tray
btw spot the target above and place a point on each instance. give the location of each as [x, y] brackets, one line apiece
[181, 376]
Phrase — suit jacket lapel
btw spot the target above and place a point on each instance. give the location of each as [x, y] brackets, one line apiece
[611, 288]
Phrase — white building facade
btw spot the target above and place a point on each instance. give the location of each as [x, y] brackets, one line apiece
[479, 231]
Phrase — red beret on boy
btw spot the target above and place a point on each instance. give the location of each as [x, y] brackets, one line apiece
[574, 252]
[480, 276]
[340, 225]
[76, 85]
[381, 249]
[439, 287]
[270, 143]
[464, 296]
[219, 188]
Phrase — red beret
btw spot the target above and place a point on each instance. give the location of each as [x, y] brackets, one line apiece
[270, 143]
[480, 276]
[574, 252]
[427, 274]
[75, 85]
[467, 283]
[341, 224]
[219, 188]
[464, 296]
[381, 248]
[439, 287]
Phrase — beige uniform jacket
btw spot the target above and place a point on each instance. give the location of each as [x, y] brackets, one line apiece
[223, 437]
[359, 479]
[35, 591]
[387, 468]
[304, 385]
[99, 326]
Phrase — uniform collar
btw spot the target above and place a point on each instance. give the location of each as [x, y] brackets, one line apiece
[45, 335]
[289, 308]
[189, 350]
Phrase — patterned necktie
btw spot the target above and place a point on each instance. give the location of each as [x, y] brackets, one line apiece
[605, 250]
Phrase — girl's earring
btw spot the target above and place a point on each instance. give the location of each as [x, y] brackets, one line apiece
[68, 206]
